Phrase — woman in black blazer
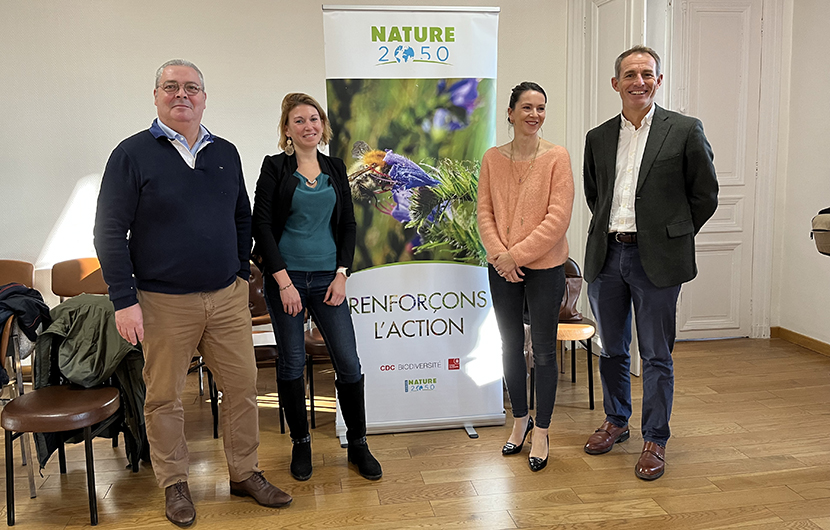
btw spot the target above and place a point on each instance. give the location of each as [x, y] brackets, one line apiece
[304, 228]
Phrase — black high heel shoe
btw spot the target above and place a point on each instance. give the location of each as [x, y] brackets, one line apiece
[511, 449]
[537, 464]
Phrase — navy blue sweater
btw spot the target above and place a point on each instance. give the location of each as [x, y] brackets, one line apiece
[189, 229]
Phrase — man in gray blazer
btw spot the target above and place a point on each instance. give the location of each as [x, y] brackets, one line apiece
[651, 185]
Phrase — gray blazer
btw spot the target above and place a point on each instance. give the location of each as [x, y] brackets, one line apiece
[677, 192]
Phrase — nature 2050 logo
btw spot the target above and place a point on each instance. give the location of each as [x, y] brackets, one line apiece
[420, 385]
[413, 44]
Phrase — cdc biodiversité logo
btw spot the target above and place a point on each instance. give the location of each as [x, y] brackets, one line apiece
[419, 385]
[413, 44]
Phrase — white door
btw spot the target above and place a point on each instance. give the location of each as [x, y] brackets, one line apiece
[599, 31]
[716, 72]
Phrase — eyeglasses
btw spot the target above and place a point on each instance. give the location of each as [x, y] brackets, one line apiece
[172, 87]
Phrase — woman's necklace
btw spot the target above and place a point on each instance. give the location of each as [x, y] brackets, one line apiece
[311, 183]
[526, 172]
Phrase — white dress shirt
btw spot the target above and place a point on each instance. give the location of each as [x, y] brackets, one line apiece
[630, 148]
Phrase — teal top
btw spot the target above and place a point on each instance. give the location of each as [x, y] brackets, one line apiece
[307, 243]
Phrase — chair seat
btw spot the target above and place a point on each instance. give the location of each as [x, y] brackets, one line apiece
[265, 354]
[316, 346]
[59, 408]
[573, 331]
[261, 320]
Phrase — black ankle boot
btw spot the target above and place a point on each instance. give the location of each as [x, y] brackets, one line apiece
[353, 407]
[292, 400]
[360, 456]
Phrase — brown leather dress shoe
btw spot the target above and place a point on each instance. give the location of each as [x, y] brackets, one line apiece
[178, 505]
[652, 463]
[605, 437]
[261, 490]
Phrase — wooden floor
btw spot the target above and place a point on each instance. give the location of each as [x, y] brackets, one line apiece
[750, 449]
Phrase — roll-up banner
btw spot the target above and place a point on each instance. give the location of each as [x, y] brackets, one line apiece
[411, 100]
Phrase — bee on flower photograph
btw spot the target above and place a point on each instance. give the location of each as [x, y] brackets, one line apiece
[412, 147]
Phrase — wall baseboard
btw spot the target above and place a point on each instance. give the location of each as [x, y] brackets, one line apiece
[817, 346]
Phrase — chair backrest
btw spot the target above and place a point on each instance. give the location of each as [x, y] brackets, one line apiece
[572, 269]
[12, 270]
[256, 293]
[5, 336]
[256, 298]
[78, 276]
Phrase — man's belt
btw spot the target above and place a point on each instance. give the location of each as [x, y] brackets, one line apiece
[624, 237]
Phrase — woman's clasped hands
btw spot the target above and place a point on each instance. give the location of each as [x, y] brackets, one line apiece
[506, 266]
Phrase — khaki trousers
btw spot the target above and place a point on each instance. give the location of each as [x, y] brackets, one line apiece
[218, 325]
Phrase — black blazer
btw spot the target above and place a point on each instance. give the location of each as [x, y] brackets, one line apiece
[272, 204]
[677, 192]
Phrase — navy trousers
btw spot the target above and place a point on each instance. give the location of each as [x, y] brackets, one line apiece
[622, 282]
[334, 322]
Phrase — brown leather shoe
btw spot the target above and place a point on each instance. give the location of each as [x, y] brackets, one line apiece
[652, 462]
[178, 505]
[261, 490]
[605, 437]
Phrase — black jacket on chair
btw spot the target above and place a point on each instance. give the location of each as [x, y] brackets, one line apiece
[27, 304]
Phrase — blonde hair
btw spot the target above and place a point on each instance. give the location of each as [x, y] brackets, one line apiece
[294, 100]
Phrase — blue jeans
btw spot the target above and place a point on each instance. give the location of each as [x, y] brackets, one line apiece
[334, 322]
[543, 289]
[621, 282]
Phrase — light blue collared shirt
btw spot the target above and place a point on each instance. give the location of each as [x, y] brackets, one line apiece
[180, 142]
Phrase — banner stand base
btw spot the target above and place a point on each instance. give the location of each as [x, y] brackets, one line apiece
[471, 431]
[468, 423]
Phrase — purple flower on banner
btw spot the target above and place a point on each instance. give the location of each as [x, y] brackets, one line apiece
[464, 94]
[400, 212]
[445, 120]
[405, 173]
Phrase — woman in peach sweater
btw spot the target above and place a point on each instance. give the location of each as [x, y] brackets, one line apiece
[525, 197]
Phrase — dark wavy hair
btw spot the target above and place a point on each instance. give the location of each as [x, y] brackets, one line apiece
[520, 89]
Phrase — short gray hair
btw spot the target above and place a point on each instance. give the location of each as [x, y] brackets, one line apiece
[636, 49]
[179, 62]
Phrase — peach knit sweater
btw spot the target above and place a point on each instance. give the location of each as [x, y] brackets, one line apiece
[529, 219]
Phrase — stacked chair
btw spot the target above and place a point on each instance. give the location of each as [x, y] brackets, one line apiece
[22, 272]
[64, 407]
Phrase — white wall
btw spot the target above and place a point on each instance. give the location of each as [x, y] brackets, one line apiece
[78, 78]
[801, 276]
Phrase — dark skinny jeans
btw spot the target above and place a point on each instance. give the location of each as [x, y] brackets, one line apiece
[543, 289]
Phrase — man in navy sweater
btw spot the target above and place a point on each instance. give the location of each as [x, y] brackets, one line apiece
[173, 235]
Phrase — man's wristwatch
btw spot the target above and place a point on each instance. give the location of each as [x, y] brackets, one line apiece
[344, 271]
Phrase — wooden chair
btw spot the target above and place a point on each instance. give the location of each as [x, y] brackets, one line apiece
[22, 272]
[63, 408]
[12, 270]
[579, 331]
[59, 409]
[78, 276]
[266, 355]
